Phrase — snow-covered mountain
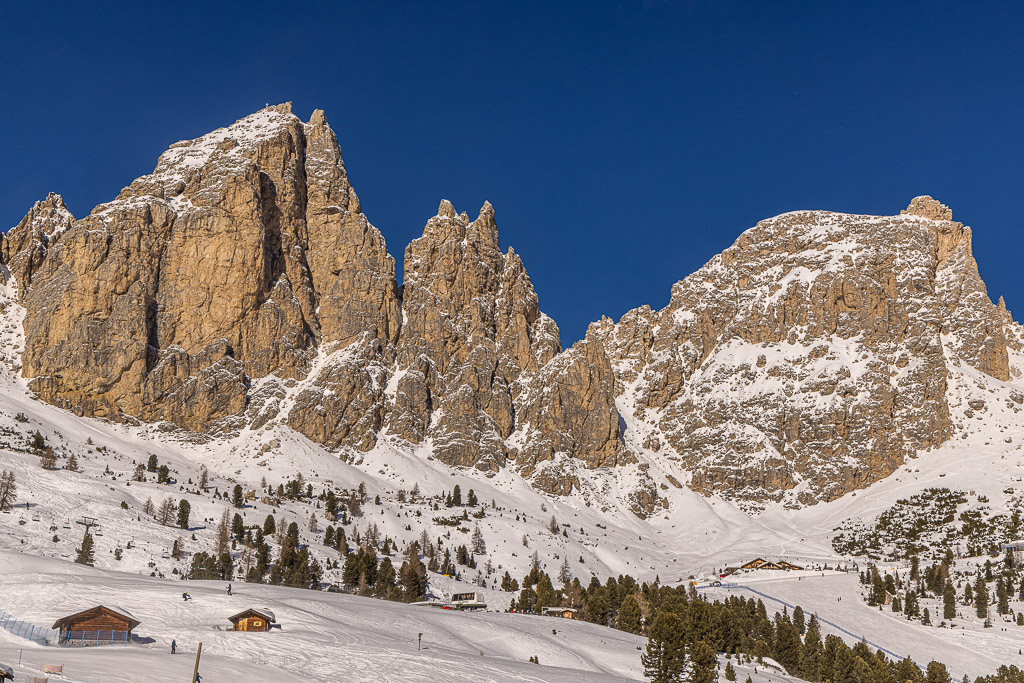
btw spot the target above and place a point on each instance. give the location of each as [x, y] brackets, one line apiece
[236, 316]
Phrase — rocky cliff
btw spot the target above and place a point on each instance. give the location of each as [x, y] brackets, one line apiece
[240, 285]
[811, 356]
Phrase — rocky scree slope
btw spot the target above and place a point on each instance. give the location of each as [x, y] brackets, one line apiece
[240, 285]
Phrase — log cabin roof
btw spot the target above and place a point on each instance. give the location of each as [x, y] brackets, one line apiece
[253, 611]
[117, 611]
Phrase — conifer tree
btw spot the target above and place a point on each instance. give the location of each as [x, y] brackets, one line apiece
[8, 489]
[664, 659]
[184, 511]
[703, 664]
[1002, 597]
[269, 526]
[948, 601]
[85, 551]
[628, 618]
[981, 597]
[236, 496]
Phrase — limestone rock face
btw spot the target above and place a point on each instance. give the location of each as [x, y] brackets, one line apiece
[23, 249]
[472, 328]
[223, 265]
[810, 357]
[568, 409]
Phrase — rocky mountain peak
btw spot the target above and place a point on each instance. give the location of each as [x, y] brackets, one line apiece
[24, 247]
[926, 207]
[798, 363]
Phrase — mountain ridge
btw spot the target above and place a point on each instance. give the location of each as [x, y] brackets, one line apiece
[240, 285]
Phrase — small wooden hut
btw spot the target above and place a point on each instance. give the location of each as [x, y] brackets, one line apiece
[253, 620]
[100, 624]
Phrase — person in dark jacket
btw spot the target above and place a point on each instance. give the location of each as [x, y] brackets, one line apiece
[174, 646]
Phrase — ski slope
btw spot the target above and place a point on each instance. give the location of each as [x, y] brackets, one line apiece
[966, 649]
[322, 636]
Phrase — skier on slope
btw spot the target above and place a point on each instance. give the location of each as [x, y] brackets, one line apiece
[229, 589]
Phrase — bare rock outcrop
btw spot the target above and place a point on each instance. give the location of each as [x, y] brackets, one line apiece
[568, 410]
[239, 256]
[810, 357]
[472, 327]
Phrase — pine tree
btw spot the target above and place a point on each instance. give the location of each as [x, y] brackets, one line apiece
[703, 664]
[564, 572]
[799, 619]
[184, 511]
[85, 551]
[730, 672]
[981, 597]
[223, 537]
[152, 464]
[628, 618]
[341, 542]
[72, 463]
[204, 478]
[665, 657]
[236, 496]
[478, 544]
[165, 514]
[1002, 598]
[140, 473]
[936, 673]
[457, 496]
[948, 601]
[810, 659]
[148, 507]
[269, 526]
[163, 474]
[8, 489]
[312, 523]
[48, 460]
[787, 645]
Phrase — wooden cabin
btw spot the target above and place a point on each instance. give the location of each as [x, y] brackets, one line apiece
[563, 612]
[252, 620]
[789, 566]
[96, 625]
[754, 564]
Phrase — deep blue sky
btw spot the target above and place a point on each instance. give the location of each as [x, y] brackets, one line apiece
[622, 143]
